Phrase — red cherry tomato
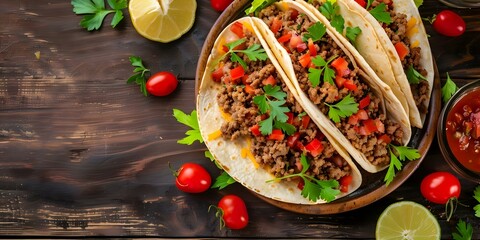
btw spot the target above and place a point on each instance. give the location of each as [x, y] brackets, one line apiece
[193, 178]
[220, 5]
[162, 84]
[449, 23]
[234, 210]
[440, 187]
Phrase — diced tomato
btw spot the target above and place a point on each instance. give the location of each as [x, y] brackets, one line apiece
[301, 47]
[296, 40]
[290, 117]
[362, 114]
[362, 3]
[269, 81]
[402, 50]
[345, 181]
[369, 126]
[299, 146]
[276, 25]
[294, 14]
[385, 138]
[284, 38]
[276, 134]
[353, 119]
[311, 48]
[224, 48]
[249, 89]
[341, 66]
[364, 102]
[228, 80]
[301, 184]
[350, 85]
[244, 79]
[379, 125]
[237, 73]
[314, 147]
[217, 74]
[293, 139]
[255, 129]
[305, 60]
[339, 80]
[305, 121]
[237, 28]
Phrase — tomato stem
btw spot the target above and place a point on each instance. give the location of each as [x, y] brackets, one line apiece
[174, 172]
[218, 214]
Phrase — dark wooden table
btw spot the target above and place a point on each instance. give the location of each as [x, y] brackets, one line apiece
[84, 154]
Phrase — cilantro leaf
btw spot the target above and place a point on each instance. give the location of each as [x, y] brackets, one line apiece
[413, 76]
[222, 181]
[95, 12]
[258, 5]
[476, 195]
[274, 91]
[345, 108]
[315, 32]
[404, 153]
[277, 111]
[254, 52]
[141, 74]
[328, 10]
[191, 121]
[315, 74]
[464, 231]
[209, 155]
[352, 33]
[288, 128]
[418, 3]
[266, 126]
[380, 13]
[338, 23]
[369, 3]
[448, 89]
[313, 188]
[272, 102]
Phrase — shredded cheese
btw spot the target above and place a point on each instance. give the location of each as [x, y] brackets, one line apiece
[214, 135]
[246, 153]
[412, 27]
[415, 44]
[226, 116]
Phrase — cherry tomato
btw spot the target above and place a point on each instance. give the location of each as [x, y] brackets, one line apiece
[440, 187]
[449, 23]
[220, 5]
[193, 178]
[234, 210]
[162, 84]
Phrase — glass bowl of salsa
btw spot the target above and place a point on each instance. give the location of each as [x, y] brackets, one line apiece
[458, 131]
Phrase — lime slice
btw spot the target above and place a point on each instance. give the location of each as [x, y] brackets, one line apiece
[162, 20]
[407, 220]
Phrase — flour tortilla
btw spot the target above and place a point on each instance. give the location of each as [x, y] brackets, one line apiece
[229, 153]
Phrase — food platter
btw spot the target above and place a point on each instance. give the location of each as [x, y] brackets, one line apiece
[373, 187]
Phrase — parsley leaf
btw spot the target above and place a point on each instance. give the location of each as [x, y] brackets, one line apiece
[338, 23]
[272, 102]
[476, 195]
[380, 13]
[254, 53]
[313, 188]
[448, 89]
[413, 76]
[315, 32]
[345, 108]
[418, 3]
[191, 121]
[95, 12]
[328, 10]
[352, 33]
[404, 153]
[369, 3]
[140, 76]
[222, 181]
[258, 5]
[314, 74]
[464, 231]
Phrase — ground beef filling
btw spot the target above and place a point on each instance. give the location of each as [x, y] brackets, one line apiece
[374, 149]
[276, 156]
[396, 31]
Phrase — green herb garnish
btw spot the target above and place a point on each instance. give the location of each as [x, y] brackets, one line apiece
[140, 76]
[222, 181]
[380, 13]
[448, 89]
[352, 33]
[404, 153]
[191, 121]
[369, 3]
[418, 3]
[330, 11]
[254, 52]
[413, 76]
[272, 103]
[315, 32]
[338, 23]
[476, 195]
[258, 5]
[345, 108]
[94, 12]
[464, 231]
[314, 74]
[314, 189]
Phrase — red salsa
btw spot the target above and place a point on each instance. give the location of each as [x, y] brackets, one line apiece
[463, 130]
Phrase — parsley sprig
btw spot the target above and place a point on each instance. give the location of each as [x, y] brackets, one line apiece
[476, 195]
[254, 52]
[272, 103]
[345, 108]
[330, 11]
[464, 231]
[258, 5]
[352, 33]
[328, 73]
[314, 189]
[191, 121]
[94, 12]
[380, 13]
[404, 153]
[141, 74]
[448, 89]
[315, 32]
[413, 76]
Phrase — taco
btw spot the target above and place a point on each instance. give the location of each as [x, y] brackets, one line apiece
[257, 130]
[394, 29]
[337, 87]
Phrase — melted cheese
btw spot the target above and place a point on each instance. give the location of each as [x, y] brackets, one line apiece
[214, 135]
[226, 116]
[412, 28]
[415, 44]
[246, 153]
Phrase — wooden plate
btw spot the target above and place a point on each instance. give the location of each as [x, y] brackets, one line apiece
[373, 187]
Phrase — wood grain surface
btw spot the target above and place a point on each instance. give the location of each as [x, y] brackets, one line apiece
[82, 153]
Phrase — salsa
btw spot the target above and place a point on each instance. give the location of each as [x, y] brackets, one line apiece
[463, 130]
